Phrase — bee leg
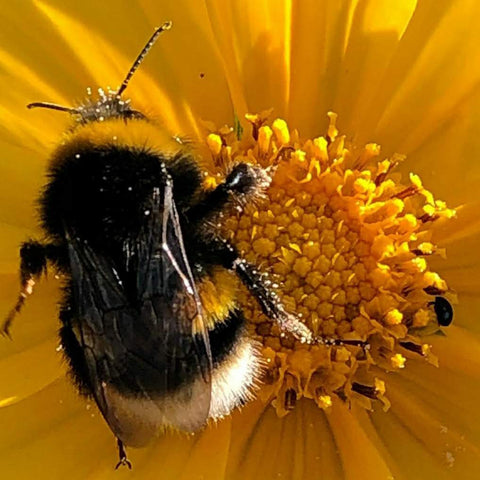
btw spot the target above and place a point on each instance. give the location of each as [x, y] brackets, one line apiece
[243, 182]
[122, 455]
[33, 262]
[262, 288]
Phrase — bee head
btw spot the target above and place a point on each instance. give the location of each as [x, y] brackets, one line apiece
[110, 104]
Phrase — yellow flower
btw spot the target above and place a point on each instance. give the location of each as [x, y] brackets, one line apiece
[400, 75]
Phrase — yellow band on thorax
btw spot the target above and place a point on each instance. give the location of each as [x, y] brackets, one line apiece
[132, 133]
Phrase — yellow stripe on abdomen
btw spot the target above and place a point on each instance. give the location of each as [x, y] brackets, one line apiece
[217, 293]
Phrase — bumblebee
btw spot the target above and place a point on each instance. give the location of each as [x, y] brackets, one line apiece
[150, 325]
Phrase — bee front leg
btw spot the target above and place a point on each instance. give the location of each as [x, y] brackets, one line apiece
[243, 183]
[33, 262]
[262, 288]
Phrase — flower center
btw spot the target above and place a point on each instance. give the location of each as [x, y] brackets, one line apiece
[347, 244]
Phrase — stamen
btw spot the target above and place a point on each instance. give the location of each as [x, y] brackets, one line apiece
[365, 390]
[290, 399]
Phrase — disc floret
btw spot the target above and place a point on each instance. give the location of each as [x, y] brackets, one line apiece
[347, 242]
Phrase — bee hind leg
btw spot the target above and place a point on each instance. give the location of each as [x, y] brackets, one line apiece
[122, 456]
[33, 262]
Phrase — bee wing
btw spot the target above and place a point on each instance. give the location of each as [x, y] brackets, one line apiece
[149, 361]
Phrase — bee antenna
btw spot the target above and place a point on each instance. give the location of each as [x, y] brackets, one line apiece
[53, 106]
[151, 41]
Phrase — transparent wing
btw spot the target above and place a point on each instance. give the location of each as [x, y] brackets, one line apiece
[148, 357]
